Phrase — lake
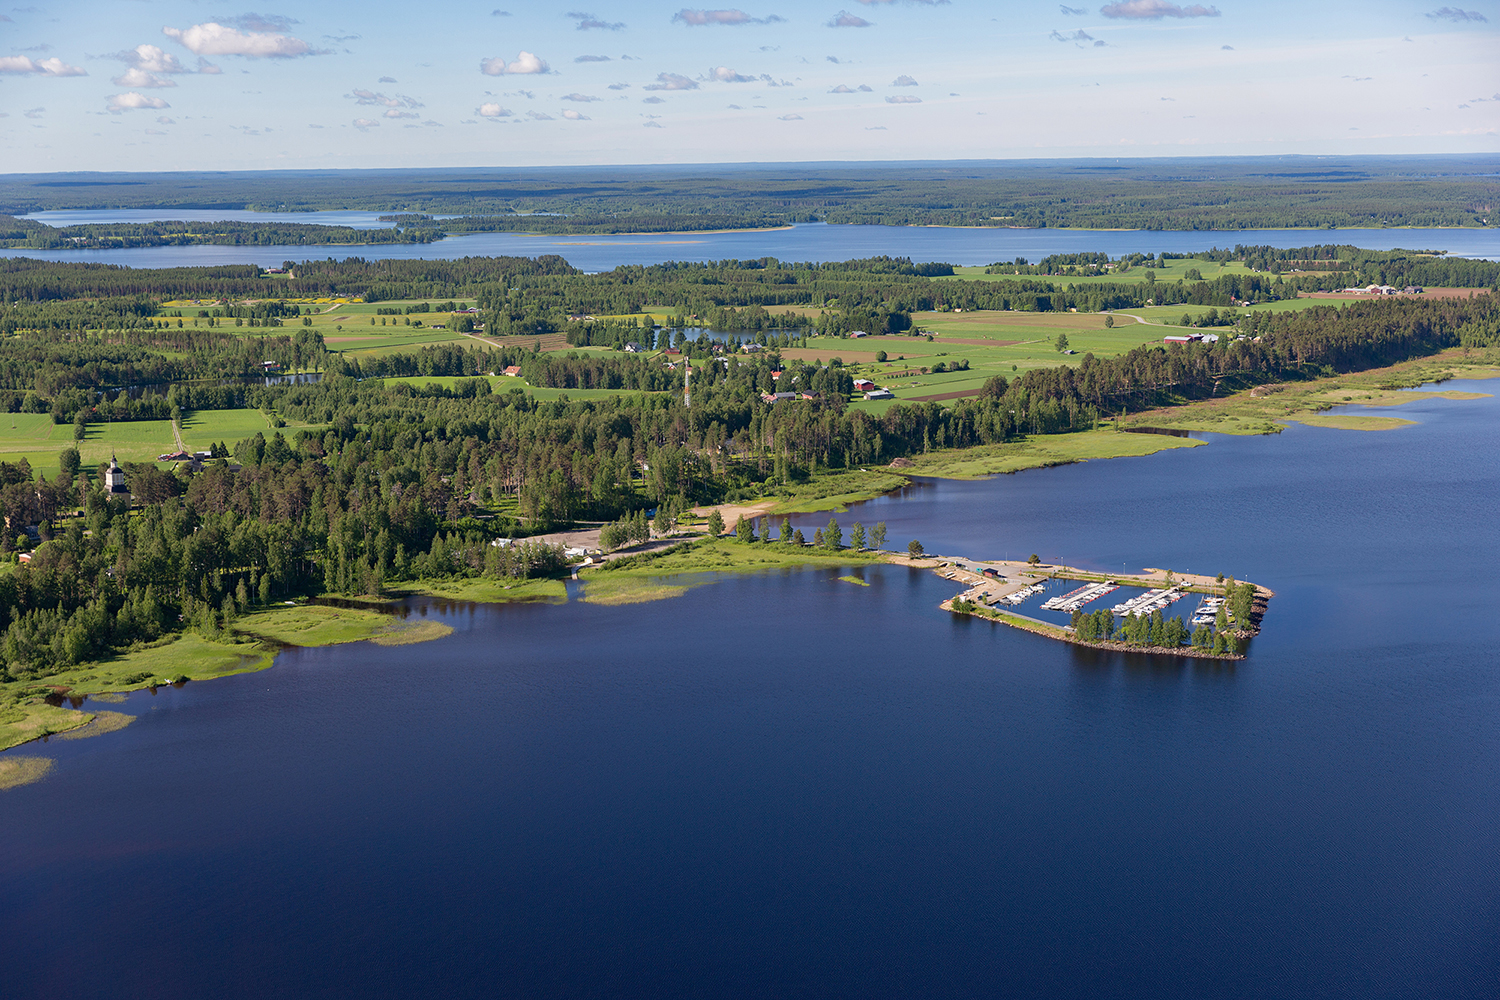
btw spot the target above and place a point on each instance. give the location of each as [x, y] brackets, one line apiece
[811, 242]
[789, 785]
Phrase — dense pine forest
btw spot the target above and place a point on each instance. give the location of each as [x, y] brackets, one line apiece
[1178, 194]
[399, 482]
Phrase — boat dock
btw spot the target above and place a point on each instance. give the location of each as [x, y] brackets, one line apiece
[1023, 595]
[1208, 611]
[1075, 600]
[1150, 601]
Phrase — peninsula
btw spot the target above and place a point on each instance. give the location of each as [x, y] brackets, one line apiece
[1229, 615]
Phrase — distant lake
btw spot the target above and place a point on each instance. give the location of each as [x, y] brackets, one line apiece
[812, 242]
[790, 785]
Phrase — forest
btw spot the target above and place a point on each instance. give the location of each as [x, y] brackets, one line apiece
[30, 234]
[1206, 193]
[391, 482]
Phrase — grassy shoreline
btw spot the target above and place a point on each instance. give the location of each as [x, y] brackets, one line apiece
[697, 564]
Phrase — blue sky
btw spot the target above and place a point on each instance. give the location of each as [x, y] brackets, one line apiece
[177, 84]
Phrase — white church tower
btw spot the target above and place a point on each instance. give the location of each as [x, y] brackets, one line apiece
[114, 477]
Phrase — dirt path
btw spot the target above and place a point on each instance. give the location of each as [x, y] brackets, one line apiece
[483, 339]
[731, 512]
[177, 435]
[941, 396]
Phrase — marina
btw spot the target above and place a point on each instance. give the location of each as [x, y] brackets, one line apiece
[1019, 597]
[1076, 599]
[1015, 594]
[1149, 602]
[1208, 611]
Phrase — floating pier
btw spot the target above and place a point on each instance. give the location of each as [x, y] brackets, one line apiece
[1150, 601]
[1075, 600]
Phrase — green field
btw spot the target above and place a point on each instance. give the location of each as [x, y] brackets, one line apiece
[201, 429]
[34, 437]
[345, 326]
[992, 342]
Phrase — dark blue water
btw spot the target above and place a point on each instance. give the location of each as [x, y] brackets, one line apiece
[813, 242]
[788, 785]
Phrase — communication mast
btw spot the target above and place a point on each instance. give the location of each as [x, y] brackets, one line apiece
[687, 374]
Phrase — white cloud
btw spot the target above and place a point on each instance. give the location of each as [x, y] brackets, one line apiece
[702, 17]
[206, 67]
[214, 39]
[524, 63]
[589, 59]
[580, 98]
[672, 81]
[575, 116]
[151, 59]
[723, 74]
[1457, 15]
[903, 99]
[492, 110]
[653, 125]
[1073, 11]
[1155, 10]
[842, 88]
[135, 77]
[133, 101]
[386, 79]
[653, 99]
[790, 118]
[619, 86]
[540, 116]
[365, 123]
[393, 113]
[903, 81]
[588, 22]
[41, 67]
[164, 120]
[373, 99]
[261, 22]
[844, 19]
